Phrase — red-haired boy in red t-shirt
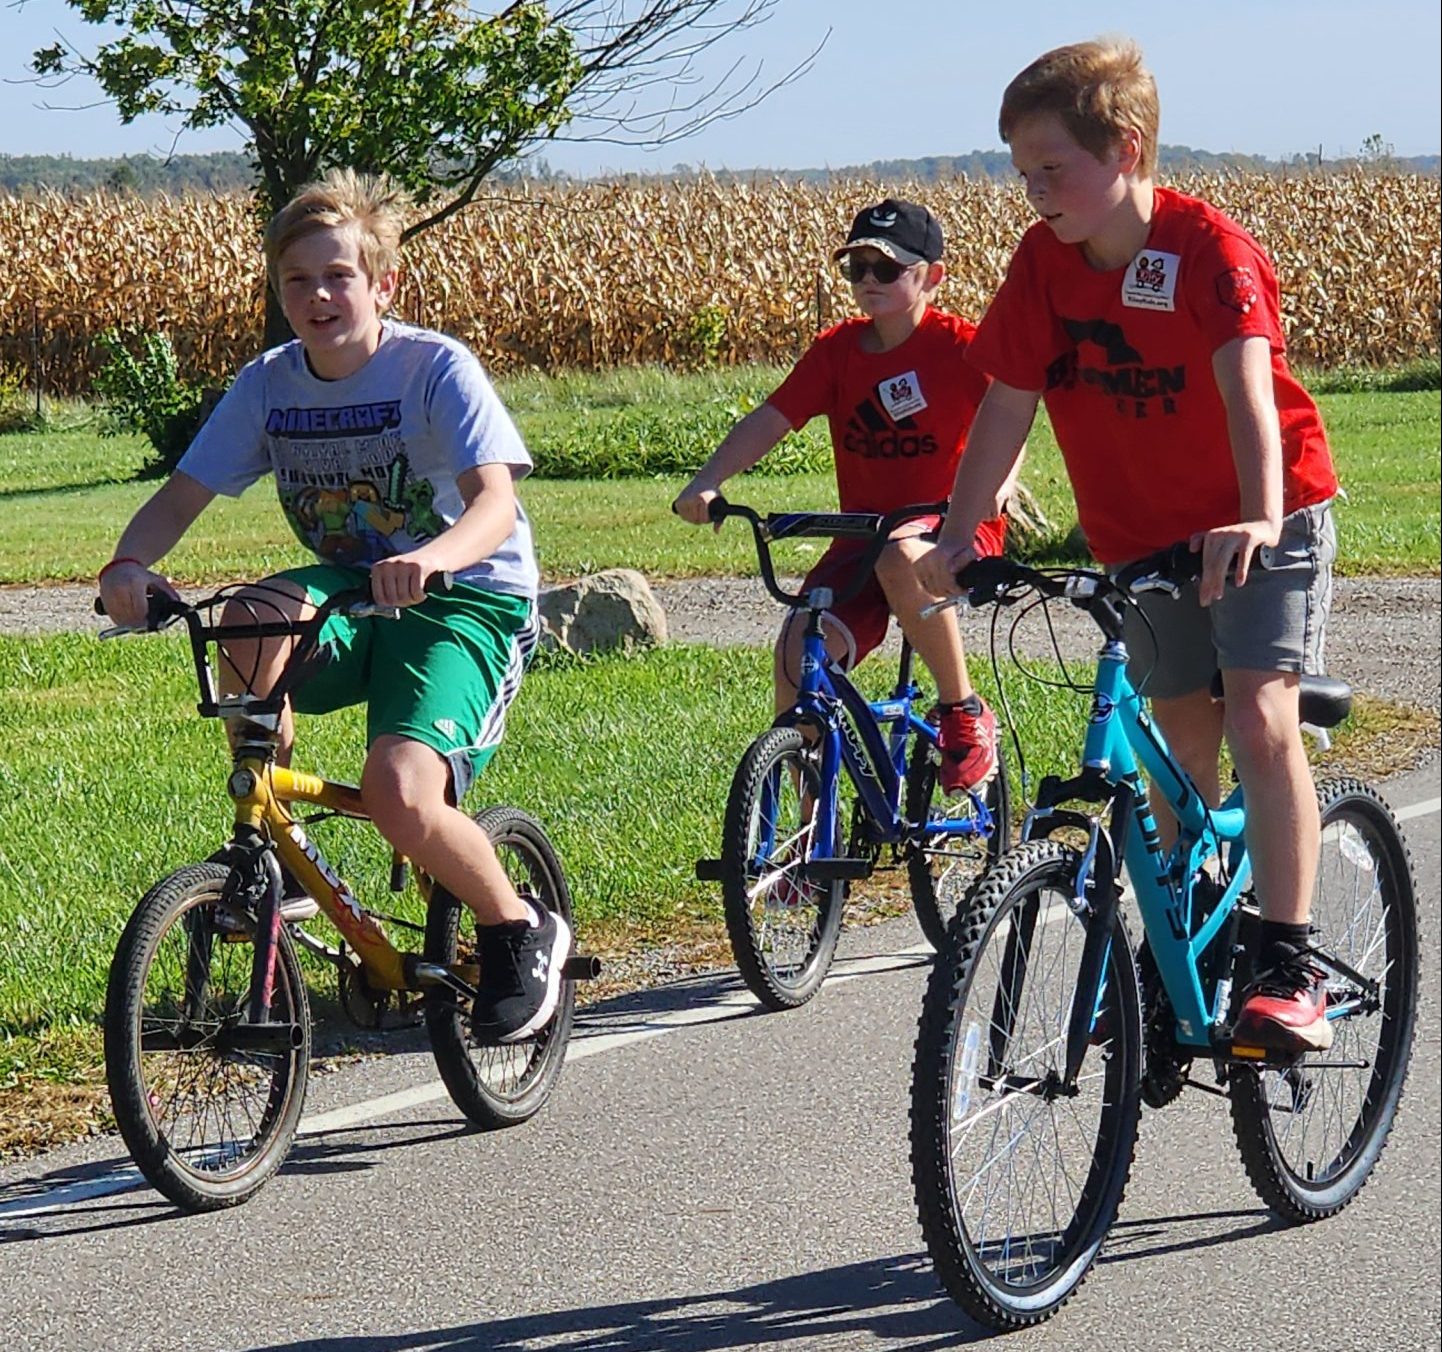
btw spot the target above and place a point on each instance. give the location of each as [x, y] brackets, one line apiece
[900, 400]
[1150, 323]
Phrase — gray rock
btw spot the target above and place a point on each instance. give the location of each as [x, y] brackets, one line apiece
[606, 610]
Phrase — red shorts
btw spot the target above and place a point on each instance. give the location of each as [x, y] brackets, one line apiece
[863, 620]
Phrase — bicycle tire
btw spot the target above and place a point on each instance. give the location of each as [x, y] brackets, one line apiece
[1014, 1280]
[1364, 907]
[941, 869]
[503, 1085]
[167, 1097]
[783, 930]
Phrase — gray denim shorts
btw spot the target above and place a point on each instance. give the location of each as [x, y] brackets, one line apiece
[1276, 622]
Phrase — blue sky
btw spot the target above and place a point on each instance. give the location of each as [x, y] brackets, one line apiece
[910, 78]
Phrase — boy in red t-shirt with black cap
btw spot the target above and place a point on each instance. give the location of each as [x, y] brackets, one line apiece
[900, 400]
[1150, 323]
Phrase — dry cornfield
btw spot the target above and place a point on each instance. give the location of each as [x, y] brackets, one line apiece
[605, 275]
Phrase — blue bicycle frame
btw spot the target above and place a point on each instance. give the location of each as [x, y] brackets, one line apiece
[868, 738]
[854, 735]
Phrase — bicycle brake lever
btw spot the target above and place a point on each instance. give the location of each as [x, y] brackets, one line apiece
[364, 610]
[947, 603]
[1156, 583]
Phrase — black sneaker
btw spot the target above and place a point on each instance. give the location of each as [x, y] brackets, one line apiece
[520, 983]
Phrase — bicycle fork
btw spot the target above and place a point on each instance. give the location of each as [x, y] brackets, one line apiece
[1097, 895]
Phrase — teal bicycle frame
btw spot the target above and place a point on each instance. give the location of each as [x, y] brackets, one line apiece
[1191, 918]
[1122, 739]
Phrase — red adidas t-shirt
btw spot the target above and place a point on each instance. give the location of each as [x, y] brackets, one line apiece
[899, 419]
[1124, 361]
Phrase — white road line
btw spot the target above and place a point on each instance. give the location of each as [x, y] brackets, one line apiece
[1405, 814]
[358, 1114]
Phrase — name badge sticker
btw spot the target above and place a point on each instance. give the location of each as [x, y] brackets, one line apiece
[1150, 282]
[901, 396]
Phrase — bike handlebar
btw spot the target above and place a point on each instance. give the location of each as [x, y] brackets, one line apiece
[164, 610]
[999, 581]
[873, 526]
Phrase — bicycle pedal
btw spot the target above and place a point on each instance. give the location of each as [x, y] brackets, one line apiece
[1269, 1057]
[836, 870]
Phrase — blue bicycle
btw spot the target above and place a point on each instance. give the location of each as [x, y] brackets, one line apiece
[817, 798]
[1042, 1032]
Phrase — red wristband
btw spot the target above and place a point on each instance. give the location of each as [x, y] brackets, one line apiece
[115, 563]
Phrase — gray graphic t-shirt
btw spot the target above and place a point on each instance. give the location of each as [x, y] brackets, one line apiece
[366, 466]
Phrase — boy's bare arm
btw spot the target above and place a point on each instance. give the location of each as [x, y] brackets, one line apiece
[985, 479]
[1243, 371]
[744, 445]
[489, 492]
[152, 533]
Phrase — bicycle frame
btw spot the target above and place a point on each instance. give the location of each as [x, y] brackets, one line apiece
[261, 790]
[1191, 920]
[1121, 740]
[853, 736]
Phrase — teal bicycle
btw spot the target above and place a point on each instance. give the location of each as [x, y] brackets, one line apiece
[1042, 1031]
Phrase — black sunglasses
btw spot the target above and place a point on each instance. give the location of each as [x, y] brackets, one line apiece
[885, 270]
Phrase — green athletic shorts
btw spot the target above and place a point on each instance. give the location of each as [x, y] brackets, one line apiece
[442, 674]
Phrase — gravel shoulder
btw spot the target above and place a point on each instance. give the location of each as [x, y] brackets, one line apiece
[1383, 637]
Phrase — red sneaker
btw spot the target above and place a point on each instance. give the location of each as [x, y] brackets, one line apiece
[1285, 1009]
[968, 748]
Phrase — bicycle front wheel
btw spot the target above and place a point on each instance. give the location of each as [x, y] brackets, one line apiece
[1311, 1134]
[498, 1086]
[1018, 1178]
[207, 1116]
[783, 926]
[942, 864]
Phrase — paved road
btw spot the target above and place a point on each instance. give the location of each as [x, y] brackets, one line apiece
[706, 1180]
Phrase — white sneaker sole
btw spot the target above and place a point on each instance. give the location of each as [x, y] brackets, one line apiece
[560, 951]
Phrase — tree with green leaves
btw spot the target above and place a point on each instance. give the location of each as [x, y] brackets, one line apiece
[435, 93]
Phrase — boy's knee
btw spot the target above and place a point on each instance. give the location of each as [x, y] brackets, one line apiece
[264, 603]
[400, 788]
[1261, 730]
[896, 565]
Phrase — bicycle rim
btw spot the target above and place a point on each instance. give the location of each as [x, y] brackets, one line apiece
[783, 926]
[1017, 1187]
[1311, 1134]
[206, 1124]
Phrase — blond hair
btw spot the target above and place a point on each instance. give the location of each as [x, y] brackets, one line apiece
[1100, 90]
[372, 202]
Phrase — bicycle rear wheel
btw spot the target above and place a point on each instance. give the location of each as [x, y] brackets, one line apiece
[1310, 1135]
[1017, 1181]
[206, 1120]
[498, 1086]
[783, 927]
[941, 866]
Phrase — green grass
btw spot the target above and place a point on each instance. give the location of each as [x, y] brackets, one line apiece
[65, 496]
[109, 781]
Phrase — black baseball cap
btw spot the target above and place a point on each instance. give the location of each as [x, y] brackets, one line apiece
[901, 230]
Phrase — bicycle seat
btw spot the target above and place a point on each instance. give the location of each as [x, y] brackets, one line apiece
[1325, 700]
